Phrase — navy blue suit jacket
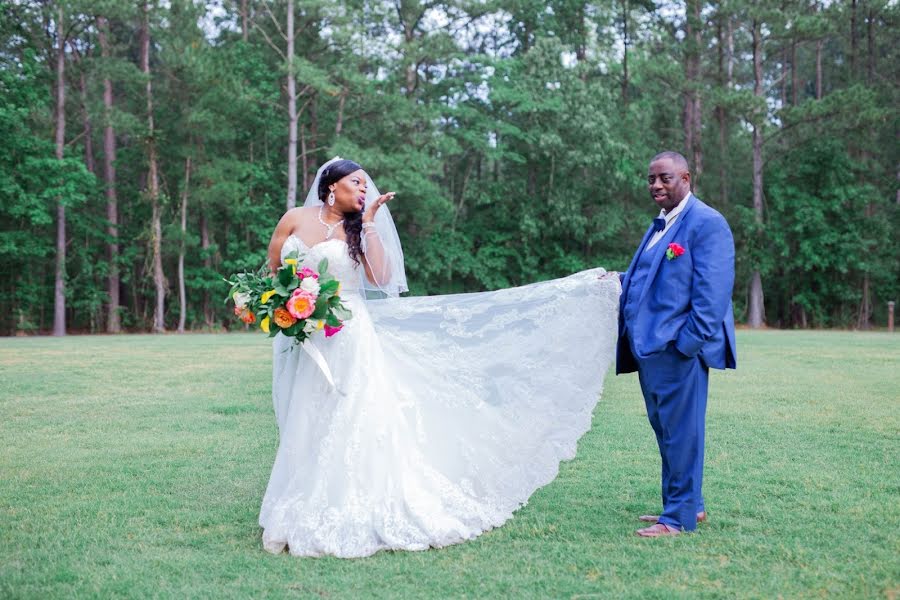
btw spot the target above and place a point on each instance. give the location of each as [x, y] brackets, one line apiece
[685, 301]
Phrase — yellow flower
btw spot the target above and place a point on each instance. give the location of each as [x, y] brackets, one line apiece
[264, 325]
[290, 261]
[266, 296]
[320, 324]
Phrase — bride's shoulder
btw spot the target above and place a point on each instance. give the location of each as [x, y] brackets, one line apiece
[304, 213]
[296, 216]
[299, 211]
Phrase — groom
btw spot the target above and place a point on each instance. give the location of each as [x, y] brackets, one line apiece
[675, 323]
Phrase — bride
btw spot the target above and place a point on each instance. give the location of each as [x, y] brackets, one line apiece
[425, 421]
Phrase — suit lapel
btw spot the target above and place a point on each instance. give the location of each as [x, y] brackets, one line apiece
[634, 260]
[679, 221]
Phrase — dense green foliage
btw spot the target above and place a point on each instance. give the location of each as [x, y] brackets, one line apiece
[152, 487]
[516, 133]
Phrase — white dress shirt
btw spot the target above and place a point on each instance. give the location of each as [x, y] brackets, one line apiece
[670, 218]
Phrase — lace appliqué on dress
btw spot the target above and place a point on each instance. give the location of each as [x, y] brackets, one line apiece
[449, 412]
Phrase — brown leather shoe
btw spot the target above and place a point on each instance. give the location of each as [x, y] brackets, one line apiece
[701, 518]
[658, 530]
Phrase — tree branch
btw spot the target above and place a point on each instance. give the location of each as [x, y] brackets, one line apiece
[275, 21]
[271, 43]
[776, 82]
[778, 132]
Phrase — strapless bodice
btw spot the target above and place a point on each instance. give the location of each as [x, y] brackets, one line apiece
[340, 265]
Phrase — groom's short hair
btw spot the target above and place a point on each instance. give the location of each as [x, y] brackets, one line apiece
[679, 160]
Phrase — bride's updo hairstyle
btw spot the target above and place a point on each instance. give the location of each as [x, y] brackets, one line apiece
[352, 220]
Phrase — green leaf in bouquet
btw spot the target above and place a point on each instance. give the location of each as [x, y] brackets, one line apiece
[342, 312]
[285, 275]
[323, 266]
[333, 320]
[230, 294]
[329, 287]
[321, 310]
[294, 329]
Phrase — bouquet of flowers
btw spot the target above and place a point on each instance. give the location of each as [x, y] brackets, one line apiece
[295, 302]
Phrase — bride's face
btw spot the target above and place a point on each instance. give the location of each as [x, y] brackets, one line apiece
[350, 192]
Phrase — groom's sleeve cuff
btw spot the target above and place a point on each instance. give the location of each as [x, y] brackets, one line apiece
[687, 343]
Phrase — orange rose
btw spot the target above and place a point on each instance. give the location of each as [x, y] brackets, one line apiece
[248, 317]
[283, 318]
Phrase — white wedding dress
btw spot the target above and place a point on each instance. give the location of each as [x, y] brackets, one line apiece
[445, 414]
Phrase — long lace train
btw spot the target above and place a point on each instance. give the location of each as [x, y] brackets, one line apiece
[446, 413]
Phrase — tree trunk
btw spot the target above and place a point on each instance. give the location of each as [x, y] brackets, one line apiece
[581, 45]
[730, 63]
[865, 306]
[626, 41]
[756, 308]
[292, 110]
[182, 296]
[59, 292]
[854, 50]
[756, 305]
[245, 25]
[872, 58]
[784, 77]
[407, 22]
[207, 265]
[795, 75]
[113, 319]
[159, 280]
[819, 45]
[339, 124]
[309, 160]
[721, 113]
[304, 163]
[692, 106]
[412, 77]
[88, 128]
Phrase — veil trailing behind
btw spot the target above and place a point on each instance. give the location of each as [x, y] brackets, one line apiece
[440, 416]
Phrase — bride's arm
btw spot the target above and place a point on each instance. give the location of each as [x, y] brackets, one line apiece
[375, 260]
[376, 263]
[284, 228]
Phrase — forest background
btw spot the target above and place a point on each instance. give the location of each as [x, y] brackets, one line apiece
[149, 148]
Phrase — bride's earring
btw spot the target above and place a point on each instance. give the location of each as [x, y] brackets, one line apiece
[331, 198]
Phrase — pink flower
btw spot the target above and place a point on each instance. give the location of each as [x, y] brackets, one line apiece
[330, 331]
[301, 304]
[307, 272]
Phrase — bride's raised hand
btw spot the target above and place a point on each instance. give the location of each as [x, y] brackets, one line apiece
[369, 215]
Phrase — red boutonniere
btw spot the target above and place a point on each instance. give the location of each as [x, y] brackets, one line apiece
[674, 251]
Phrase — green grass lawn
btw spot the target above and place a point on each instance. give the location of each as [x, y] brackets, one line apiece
[135, 465]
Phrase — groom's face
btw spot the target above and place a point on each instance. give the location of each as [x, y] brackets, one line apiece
[668, 182]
